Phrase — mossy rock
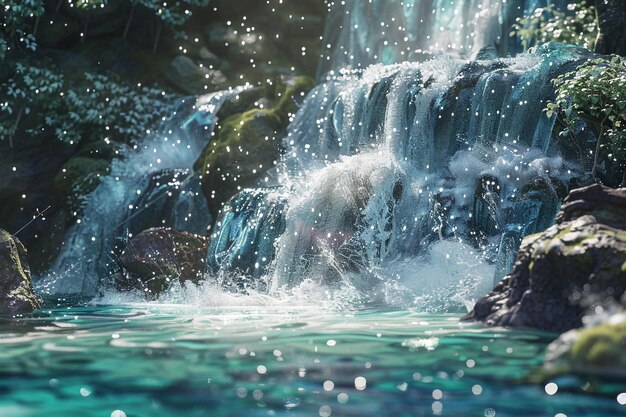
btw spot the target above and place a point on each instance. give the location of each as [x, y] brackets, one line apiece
[593, 351]
[599, 346]
[293, 94]
[16, 289]
[568, 270]
[246, 146]
[79, 177]
[242, 102]
[99, 150]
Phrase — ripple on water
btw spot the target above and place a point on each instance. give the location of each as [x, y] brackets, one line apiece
[150, 360]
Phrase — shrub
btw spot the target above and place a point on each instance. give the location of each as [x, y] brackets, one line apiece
[97, 106]
[595, 93]
[549, 24]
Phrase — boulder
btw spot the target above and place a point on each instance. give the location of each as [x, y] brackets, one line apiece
[16, 289]
[190, 78]
[597, 350]
[245, 147]
[157, 257]
[247, 144]
[575, 266]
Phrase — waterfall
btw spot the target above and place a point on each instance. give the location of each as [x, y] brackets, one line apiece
[151, 184]
[416, 178]
[409, 175]
[359, 33]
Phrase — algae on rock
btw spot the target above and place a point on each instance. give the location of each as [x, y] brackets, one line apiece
[597, 350]
[247, 144]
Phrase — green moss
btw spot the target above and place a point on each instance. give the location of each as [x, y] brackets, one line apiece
[248, 128]
[600, 346]
[563, 232]
[246, 146]
[296, 89]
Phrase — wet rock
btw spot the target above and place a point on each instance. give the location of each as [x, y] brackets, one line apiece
[78, 177]
[236, 246]
[597, 350]
[572, 267]
[157, 257]
[190, 78]
[247, 144]
[16, 290]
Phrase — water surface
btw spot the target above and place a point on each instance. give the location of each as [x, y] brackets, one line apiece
[172, 360]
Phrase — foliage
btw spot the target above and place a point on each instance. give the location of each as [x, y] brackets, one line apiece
[549, 24]
[89, 4]
[172, 14]
[96, 106]
[595, 93]
[111, 107]
[29, 87]
[17, 24]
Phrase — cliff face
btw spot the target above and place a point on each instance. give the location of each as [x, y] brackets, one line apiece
[574, 267]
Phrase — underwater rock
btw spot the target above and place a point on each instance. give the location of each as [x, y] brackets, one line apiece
[16, 289]
[597, 350]
[572, 267]
[156, 257]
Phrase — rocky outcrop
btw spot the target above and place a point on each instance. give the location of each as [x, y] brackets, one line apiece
[247, 144]
[157, 257]
[16, 289]
[573, 267]
[78, 177]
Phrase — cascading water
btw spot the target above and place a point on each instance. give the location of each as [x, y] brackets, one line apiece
[412, 183]
[408, 184]
[360, 33]
[151, 184]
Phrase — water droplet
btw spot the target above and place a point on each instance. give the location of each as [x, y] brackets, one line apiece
[360, 383]
[551, 388]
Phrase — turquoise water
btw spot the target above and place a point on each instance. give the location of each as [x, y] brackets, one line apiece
[171, 360]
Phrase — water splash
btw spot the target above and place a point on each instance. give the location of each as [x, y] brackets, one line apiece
[414, 183]
[151, 184]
